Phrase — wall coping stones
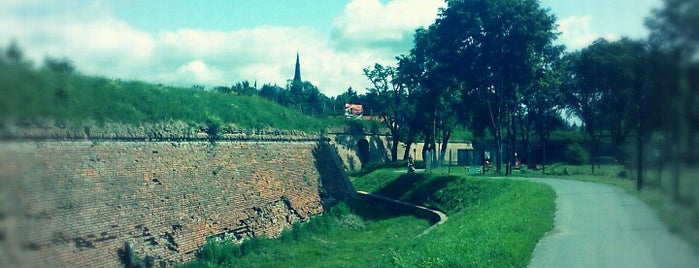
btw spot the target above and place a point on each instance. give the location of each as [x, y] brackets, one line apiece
[149, 132]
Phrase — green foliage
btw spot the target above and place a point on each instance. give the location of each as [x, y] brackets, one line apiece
[63, 65]
[575, 154]
[30, 95]
[492, 223]
[214, 126]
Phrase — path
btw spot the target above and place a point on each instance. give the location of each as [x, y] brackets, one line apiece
[599, 225]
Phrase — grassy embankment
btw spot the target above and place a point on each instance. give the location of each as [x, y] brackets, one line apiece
[492, 223]
[43, 97]
[681, 216]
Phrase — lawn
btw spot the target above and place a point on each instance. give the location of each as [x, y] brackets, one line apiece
[492, 223]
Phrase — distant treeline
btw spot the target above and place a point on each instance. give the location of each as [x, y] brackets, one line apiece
[305, 97]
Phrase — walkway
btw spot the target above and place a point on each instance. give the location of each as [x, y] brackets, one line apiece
[599, 225]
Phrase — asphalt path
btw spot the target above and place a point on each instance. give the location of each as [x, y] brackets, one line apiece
[599, 225]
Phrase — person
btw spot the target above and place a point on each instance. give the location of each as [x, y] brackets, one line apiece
[411, 164]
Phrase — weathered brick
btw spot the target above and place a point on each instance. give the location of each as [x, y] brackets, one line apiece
[76, 203]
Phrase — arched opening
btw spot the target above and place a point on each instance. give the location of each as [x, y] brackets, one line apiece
[363, 151]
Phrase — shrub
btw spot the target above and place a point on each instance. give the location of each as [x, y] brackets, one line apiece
[214, 127]
[575, 154]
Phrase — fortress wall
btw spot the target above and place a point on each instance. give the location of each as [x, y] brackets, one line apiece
[77, 203]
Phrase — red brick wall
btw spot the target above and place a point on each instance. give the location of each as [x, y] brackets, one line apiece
[76, 203]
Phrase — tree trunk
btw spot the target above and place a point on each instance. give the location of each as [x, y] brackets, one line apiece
[598, 153]
[394, 148]
[498, 153]
[426, 146]
[406, 154]
[592, 152]
[513, 141]
[676, 159]
[543, 161]
[446, 134]
[395, 136]
[639, 161]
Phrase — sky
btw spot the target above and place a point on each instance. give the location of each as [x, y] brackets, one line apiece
[222, 42]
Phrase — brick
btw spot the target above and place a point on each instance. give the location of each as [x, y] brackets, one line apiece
[79, 202]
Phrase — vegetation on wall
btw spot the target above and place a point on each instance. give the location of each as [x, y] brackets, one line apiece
[55, 92]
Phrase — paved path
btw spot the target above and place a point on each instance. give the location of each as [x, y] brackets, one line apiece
[599, 225]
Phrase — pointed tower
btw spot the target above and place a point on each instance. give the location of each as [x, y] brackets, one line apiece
[297, 72]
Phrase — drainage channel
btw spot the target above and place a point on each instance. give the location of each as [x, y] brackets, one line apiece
[436, 217]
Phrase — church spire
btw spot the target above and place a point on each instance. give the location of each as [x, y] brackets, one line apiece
[297, 72]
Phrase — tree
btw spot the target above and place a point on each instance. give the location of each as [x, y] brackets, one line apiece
[62, 65]
[542, 103]
[14, 54]
[410, 75]
[675, 36]
[243, 88]
[391, 97]
[493, 48]
[602, 87]
[271, 92]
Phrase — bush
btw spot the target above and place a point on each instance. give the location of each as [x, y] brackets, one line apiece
[214, 127]
[575, 154]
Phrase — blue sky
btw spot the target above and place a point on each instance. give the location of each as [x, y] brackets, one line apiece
[223, 42]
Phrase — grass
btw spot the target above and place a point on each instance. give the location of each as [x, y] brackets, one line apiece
[342, 237]
[492, 223]
[69, 99]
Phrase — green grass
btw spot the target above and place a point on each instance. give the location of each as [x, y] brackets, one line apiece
[492, 223]
[364, 237]
[71, 99]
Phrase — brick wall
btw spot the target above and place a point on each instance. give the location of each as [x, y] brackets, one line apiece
[76, 203]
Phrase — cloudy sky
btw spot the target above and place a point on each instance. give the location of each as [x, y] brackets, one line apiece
[181, 43]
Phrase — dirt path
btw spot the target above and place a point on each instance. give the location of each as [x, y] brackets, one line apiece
[599, 225]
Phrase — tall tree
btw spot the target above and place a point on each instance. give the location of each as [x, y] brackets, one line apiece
[409, 74]
[434, 92]
[391, 96]
[493, 48]
[675, 34]
[542, 103]
[602, 88]
[14, 54]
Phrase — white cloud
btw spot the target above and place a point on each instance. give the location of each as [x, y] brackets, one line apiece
[369, 23]
[198, 70]
[576, 32]
[96, 42]
[100, 44]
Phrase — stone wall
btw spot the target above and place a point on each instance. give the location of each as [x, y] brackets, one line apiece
[77, 203]
[379, 149]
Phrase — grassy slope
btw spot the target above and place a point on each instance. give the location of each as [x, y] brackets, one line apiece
[492, 223]
[72, 99]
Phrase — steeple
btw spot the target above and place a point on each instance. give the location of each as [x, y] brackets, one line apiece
[297, 72]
